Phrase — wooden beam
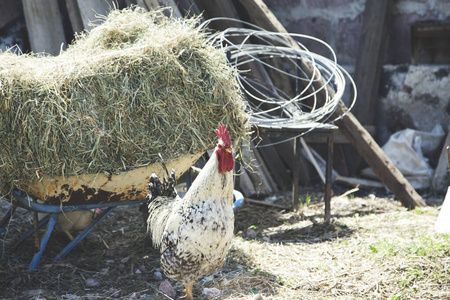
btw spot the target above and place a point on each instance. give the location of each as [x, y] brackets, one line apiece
[369, 59]
[44, 25]
[355, 132]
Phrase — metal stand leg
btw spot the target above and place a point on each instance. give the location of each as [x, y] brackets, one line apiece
[82, 235]
[37, 256]
[296, 179]
[328, 178]
[30, 232]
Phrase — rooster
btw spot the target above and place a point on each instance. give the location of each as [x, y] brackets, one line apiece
[194, 233]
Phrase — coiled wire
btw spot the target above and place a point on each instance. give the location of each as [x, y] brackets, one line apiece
[249, 47]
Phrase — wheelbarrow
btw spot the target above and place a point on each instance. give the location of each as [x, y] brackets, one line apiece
[67, 194]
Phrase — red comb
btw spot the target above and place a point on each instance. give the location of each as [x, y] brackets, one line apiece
[224, 135]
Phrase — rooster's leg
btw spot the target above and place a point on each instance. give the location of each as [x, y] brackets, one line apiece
[188, 291]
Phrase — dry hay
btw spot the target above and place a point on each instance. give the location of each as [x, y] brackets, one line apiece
[374, 249]
[137, 85]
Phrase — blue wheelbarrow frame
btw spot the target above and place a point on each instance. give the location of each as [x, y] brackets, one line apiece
[53, 211]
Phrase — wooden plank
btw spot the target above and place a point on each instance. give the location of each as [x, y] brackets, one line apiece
[90, 9]
[369, 64]
[369, 59]
[262, 203]
[272, 161]
[339, 136]
[171, 3]
[257, 179]
[156, 4]
[442, 171]
[74, 16]
[246, 185]
[355, 132]
[188, 8]
[44, 25]
[365, 183]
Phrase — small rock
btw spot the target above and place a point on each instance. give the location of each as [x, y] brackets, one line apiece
[211, 292]
[135, 295]
[142, 268]
[115, 295]
[250, 232]
[125, 260]
[70, 296]
[138, 271]
[208, 278]
[16, 281]
[104, 271]
[91, 297]
[266, 239]
[91, 282]
[166, 288]
[157, 275]
[34, 293]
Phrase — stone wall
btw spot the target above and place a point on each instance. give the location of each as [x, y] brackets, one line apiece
[413, 96]
[338, 22]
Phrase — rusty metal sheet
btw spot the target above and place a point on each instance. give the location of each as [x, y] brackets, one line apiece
[101, 188]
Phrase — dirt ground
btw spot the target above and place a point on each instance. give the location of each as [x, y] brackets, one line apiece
[373, 249]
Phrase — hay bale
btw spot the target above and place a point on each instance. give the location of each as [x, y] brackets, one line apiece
[137, 85]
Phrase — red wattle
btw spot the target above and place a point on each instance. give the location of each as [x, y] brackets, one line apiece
[226, 161]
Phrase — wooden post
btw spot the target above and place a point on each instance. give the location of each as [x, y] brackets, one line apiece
[355, 132]
[44, 25]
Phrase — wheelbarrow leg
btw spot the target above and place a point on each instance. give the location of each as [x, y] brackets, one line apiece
[82, 235]
[30, 232]
[37, 256]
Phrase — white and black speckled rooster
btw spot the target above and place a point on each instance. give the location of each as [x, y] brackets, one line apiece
[194, 233]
